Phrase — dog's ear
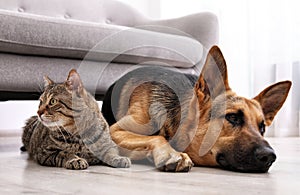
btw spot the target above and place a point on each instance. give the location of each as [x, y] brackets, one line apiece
[213, 79]
[272, 98]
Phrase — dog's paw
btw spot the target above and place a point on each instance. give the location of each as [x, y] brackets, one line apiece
[177, 162]
[76, 164]
[186, 164]
[120, 162]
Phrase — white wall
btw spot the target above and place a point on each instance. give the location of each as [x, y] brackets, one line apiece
[150, 8]
[274, 45]
[14, 113]
[233, 33]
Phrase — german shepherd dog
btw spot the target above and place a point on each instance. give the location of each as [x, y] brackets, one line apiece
[178, 120]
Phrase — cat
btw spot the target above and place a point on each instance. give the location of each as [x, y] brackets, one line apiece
[69, 130]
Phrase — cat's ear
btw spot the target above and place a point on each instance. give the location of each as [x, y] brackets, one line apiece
[47, 81]
[74, 82]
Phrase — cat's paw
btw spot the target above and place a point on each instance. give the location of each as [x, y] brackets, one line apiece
[121, 162]
[77, 164]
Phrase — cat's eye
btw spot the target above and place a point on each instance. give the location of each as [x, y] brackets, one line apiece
[53, 101]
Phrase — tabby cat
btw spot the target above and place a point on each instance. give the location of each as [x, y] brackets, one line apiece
[70, 130]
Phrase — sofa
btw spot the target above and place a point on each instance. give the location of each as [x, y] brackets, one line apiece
[102, 39]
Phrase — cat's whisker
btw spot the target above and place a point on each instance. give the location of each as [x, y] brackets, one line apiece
[68, 132]
[40, 88]
[59, 128]
[74, 132]
[36, 95]
[34, 123]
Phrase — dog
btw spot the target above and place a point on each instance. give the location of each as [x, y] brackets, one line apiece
[179, 120]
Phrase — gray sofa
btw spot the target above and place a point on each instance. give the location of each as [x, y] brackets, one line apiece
[103, 39]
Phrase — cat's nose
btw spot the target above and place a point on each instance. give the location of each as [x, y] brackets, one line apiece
[40, 112]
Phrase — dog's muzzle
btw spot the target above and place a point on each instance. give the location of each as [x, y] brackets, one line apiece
[258, 160]
[265, 156]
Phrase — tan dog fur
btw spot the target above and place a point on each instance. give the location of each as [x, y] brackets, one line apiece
[219, 128]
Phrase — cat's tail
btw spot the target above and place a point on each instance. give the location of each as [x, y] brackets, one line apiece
[28, 129]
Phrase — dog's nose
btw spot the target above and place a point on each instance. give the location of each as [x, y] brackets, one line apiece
[265, 156]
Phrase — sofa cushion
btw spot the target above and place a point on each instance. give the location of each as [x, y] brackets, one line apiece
[30, 34]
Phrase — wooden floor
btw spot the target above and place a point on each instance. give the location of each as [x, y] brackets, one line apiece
[20, 176]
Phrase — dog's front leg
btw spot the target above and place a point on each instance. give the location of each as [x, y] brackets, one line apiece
[138, 147]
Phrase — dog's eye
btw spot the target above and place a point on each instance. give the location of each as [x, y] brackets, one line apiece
[236, 119]
[262, 128]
